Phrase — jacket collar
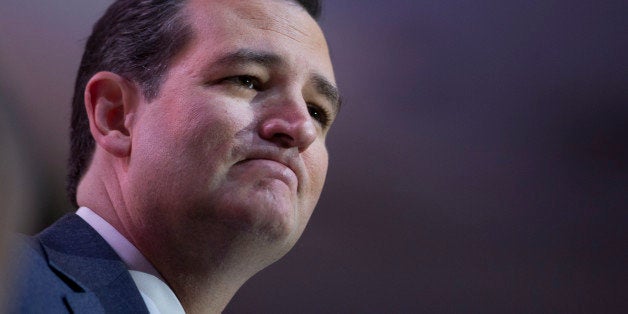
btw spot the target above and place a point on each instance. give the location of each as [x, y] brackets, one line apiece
[91, 267]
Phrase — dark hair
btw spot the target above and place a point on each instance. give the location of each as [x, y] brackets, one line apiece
[136, 39]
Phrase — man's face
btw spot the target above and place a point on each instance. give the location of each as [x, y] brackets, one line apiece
[234, 144]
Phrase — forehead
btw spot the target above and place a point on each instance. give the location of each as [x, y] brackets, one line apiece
[279, 26]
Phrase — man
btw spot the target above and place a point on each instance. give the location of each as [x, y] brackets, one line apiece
[198, 155]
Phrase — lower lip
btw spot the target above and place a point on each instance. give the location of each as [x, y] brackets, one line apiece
[272, 169]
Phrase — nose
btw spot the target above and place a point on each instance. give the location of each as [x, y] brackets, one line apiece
[288, 125]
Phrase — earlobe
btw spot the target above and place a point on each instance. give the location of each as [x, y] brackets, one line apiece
[110, 102]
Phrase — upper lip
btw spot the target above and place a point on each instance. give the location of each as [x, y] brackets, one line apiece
[286, 157]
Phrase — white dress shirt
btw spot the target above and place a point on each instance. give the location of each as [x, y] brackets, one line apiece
[157, 296]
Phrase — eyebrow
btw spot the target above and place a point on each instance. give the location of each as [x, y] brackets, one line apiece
[246, 56]
[329, 90]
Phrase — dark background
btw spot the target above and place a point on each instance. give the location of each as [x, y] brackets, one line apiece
[479, 164]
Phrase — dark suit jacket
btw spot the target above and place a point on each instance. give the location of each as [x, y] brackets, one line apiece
[69, 268]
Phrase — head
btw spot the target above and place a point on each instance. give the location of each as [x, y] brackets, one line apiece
[219, 155]
[115, 46]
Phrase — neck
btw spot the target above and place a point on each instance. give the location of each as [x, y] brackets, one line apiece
[206, 273]
[101, 194]
[203, 296]
[204, 283]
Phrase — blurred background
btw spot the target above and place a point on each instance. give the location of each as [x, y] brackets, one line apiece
[479, 164]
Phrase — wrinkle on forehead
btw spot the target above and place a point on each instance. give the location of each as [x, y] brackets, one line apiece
[264, 17]
[290, 31]
[285, 17]
[237, 24]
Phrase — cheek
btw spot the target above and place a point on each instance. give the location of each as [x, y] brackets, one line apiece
[171, 142]
[316, 161]
[202, 129]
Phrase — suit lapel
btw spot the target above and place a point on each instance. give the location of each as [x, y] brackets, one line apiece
[83, 302]
[82, 258]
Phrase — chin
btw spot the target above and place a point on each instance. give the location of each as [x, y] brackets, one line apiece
[264, 217]
[273, 224]
[270, 211]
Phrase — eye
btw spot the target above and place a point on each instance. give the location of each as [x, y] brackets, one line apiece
[319, 114]
[245, 81]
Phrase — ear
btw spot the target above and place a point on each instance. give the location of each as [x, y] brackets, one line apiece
[110, 102]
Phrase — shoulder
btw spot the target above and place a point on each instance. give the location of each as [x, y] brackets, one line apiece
[35, 287]
[70, 267]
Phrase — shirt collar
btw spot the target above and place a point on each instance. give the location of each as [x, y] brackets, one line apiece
[129, 254]
[157, 296]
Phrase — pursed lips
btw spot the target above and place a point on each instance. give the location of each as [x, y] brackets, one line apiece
[285, 161]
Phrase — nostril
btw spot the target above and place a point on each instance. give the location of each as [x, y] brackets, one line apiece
[284, 140]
